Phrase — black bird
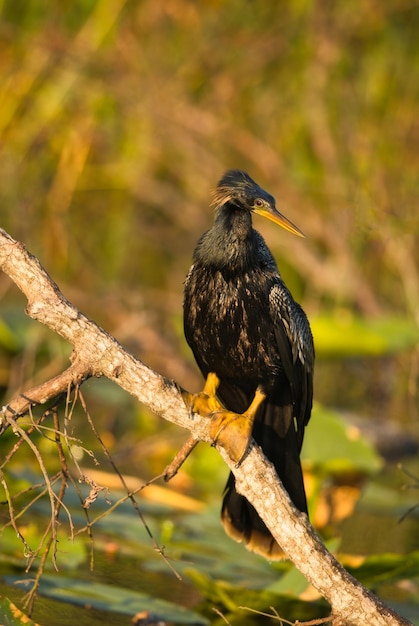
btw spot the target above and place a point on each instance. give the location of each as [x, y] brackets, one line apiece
[254, 345]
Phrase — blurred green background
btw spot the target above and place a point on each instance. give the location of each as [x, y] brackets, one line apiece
[117, 118]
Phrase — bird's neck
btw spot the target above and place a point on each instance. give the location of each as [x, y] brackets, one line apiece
[230, 244]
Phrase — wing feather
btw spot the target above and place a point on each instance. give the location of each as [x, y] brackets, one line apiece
[296, 349]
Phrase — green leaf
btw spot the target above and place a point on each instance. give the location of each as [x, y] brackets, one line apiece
[239, 601]
[336, 447]
[111, 598]
[10, 615]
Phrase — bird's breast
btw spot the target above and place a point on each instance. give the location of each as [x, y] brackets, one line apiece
[228, 324]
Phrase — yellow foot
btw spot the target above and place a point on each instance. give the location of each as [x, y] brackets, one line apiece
[205, 403]
[233, 431]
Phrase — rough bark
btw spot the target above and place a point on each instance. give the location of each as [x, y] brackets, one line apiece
[96, 353]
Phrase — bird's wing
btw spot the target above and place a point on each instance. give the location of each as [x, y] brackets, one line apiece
[295, 345]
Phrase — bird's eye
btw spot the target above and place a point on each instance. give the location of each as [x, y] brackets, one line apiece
[259, 202]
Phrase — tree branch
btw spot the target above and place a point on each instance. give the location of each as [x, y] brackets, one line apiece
[96, 353]
[75, 375]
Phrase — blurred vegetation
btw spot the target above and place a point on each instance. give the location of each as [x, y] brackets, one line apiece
[117, 117]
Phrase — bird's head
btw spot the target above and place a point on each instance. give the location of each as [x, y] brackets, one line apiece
[237, 189]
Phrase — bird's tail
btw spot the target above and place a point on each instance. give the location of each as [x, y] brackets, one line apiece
[274, 431]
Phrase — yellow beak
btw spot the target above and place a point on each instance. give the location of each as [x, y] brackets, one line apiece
[275, 216]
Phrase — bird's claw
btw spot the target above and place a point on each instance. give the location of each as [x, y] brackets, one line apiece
[202, 403]
[205, 402]
[232, 431]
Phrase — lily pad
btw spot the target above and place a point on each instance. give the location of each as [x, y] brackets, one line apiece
[110, 598]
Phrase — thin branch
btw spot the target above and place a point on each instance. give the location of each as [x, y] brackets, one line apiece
[64, 475]
[186, 449]
[13, 523]
[51, 494]
[118, 503]
[51, 542]
[321, 621]
[130, 495]
[70, 378]
[101, 355]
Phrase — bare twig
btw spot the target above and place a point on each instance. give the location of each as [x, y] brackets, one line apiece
[130, 495]
[173, 467]
[38, 456]
[13, 523]
[40, 394]
[116, 504]
[321, 621]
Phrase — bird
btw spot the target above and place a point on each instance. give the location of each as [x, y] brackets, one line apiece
[253, 344]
